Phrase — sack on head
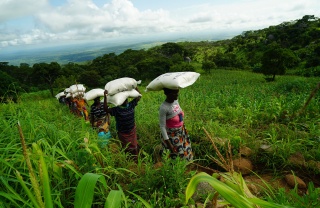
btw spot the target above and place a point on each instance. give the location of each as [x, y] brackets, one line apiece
[94, 93]
[119, 98]
[174, 80]
[121, 84]
[77, 88]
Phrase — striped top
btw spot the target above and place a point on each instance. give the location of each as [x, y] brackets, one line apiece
[124, 116]
[97, 111]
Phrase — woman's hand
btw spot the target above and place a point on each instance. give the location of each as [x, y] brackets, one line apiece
[170, 146]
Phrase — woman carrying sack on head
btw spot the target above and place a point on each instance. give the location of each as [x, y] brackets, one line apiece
[81, 107]
[125, 123]
[174, 133]
[100, 120]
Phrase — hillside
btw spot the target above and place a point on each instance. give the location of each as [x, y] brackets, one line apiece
[232, 106]
[288, 48]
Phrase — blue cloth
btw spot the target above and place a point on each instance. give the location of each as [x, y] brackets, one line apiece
[103, 138]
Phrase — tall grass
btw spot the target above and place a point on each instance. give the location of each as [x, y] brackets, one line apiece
[233, 105]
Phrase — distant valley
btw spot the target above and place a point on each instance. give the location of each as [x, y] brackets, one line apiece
[79, 53]
[66, 54]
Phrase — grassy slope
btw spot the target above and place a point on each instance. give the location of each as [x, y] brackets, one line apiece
[235, 105]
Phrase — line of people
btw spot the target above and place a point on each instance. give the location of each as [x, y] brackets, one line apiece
[77, 105]
[175, 138]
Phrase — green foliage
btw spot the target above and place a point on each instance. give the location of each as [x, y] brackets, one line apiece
[182, 67]
[309, 72]
[294, 86]
[162, 185]
[169, 49]
[293, 198]
[85, 190]
[233, 190]
[207, 66]
[276, 60]
[235, 106]
[9, 88]
[45, 74]
[90, 78]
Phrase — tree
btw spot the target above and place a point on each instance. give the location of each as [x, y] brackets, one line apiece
[276, 60]
[8, 87]
[90, 78]
[208, 65]
[168, 49]
[182, 67]
[45, 74]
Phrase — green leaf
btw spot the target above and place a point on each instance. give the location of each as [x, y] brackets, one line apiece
[27, 190]
[46, 182]
[266, 204]
[224, 190]
[14, 196]
[85, 190]
[141, 199]
[113, 199]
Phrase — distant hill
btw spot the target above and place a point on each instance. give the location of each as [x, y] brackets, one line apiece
[70, 53]
[78, 53]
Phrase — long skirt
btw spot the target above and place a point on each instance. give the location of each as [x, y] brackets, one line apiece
[129, 141]
[180, 140]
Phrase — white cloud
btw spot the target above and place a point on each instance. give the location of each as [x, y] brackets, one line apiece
[84, 20]
[12, 9]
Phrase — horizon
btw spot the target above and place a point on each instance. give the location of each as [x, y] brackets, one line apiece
[31, 55]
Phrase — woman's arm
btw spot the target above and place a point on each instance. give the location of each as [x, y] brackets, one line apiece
[138, 98]
[105, 102]
[162, 120]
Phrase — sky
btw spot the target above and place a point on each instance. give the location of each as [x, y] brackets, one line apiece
[40, 23]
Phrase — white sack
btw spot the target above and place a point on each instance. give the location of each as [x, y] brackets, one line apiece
[76, 94]
[59, 95]
[94, 93]
[77, 88]
[68, 95]
[121, 84]
[119, 98]
[174, 80]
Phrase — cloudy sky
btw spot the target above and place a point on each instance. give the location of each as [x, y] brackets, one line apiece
[29, 22]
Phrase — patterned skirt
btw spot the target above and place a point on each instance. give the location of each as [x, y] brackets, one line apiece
[180, 140]
[101, 123]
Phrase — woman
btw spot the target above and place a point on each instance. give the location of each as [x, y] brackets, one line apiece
[100, 120]
[125, 123]
[81, 107]
[98, 116]
[175, 136]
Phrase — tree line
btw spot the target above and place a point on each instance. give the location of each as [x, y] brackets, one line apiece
[293, 45]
